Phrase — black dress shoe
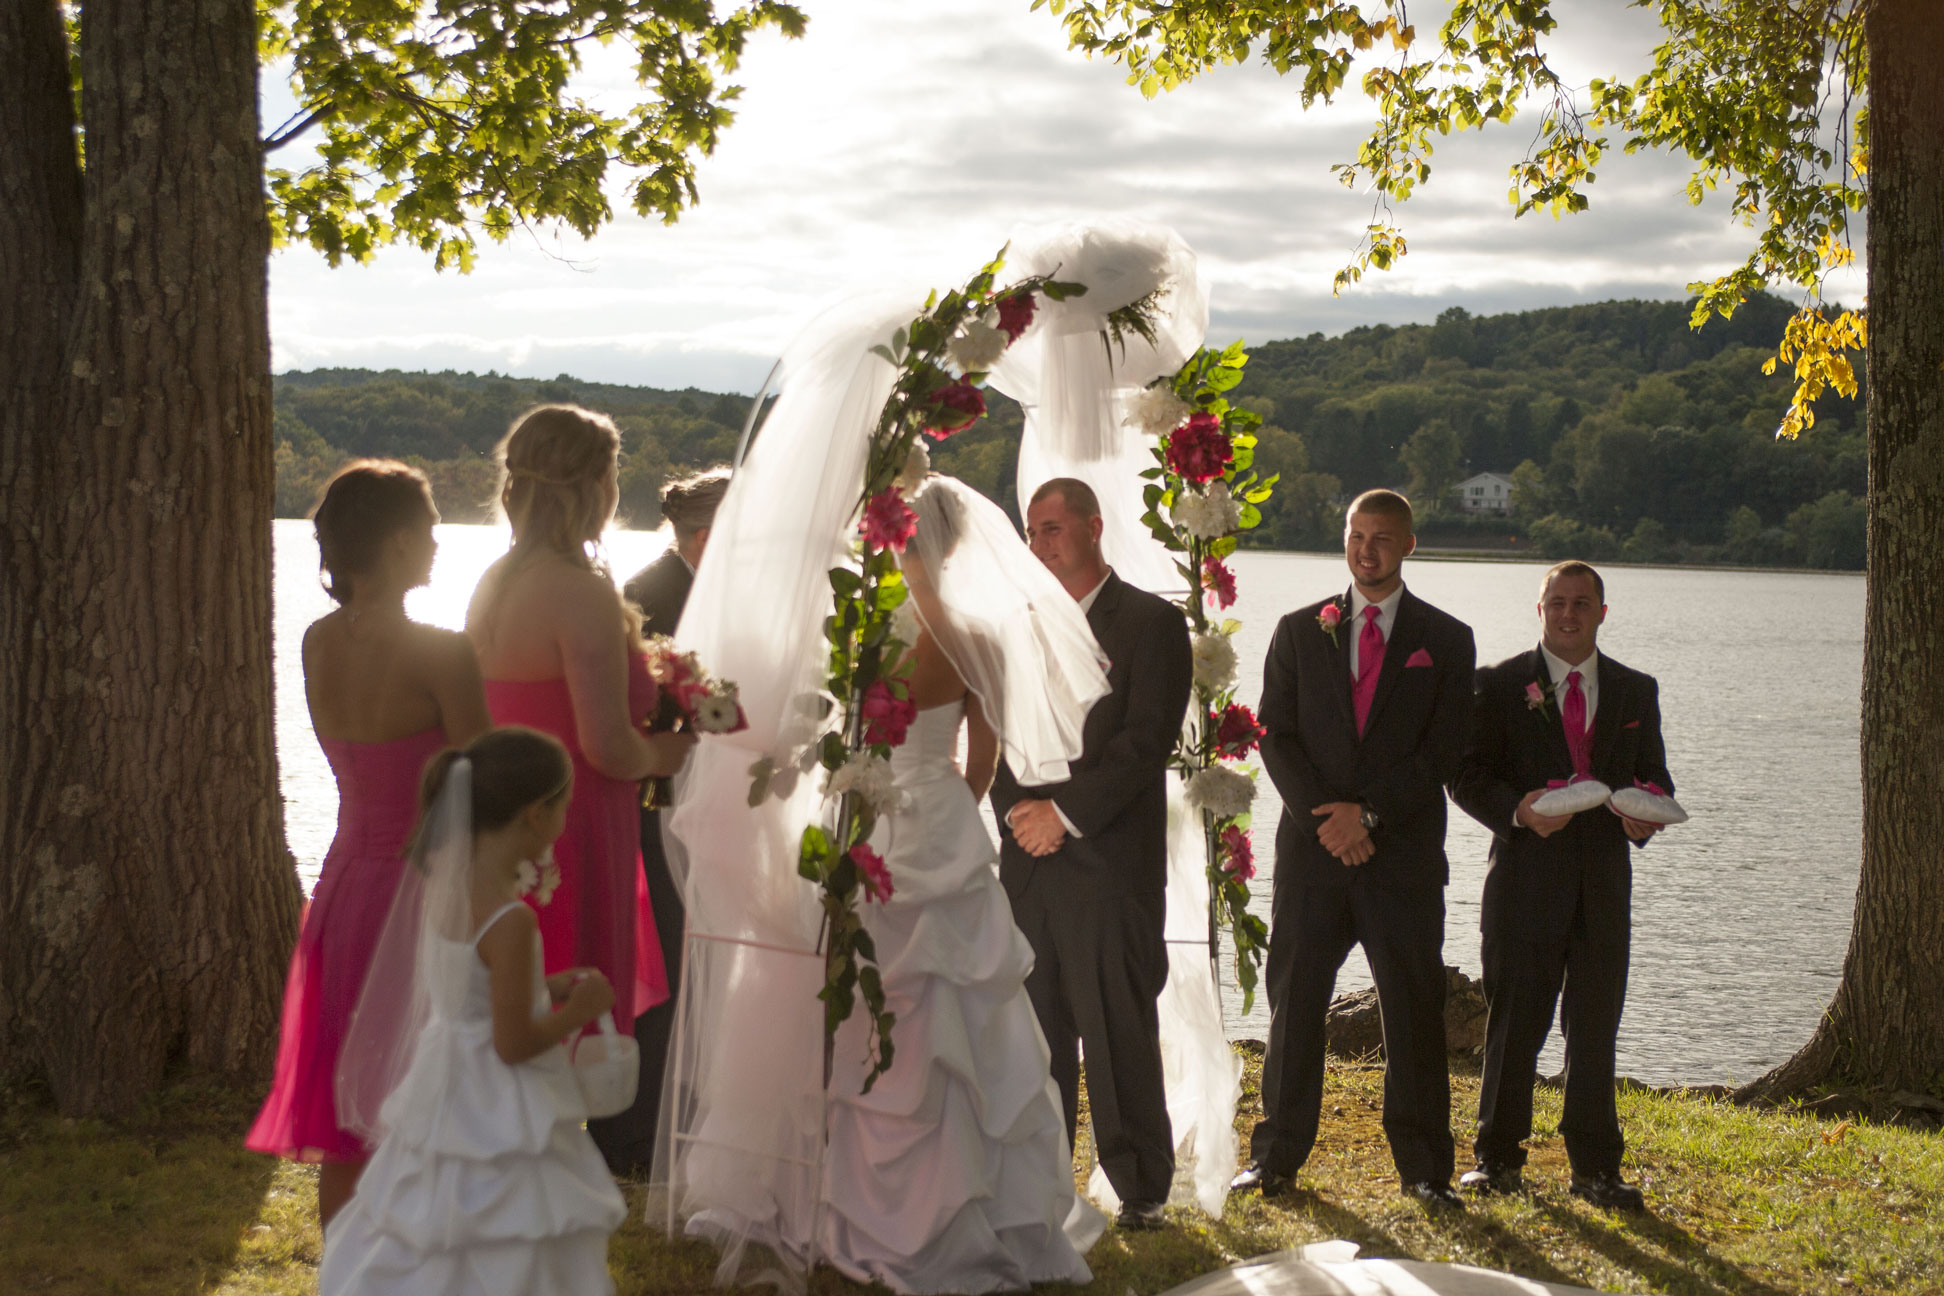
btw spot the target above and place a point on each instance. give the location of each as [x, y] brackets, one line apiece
[1260, 1178]
[1140, 1217]
[1434, 1195]
[1608, 1191]
[1490, 1177]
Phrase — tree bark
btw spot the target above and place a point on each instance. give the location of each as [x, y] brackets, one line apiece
[147, 900]
[1885, 1027]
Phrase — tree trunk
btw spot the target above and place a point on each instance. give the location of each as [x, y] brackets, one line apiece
[1885, 1028]
[147, 900]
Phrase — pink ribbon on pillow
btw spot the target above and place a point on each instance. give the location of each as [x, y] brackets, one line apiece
[1655, 788]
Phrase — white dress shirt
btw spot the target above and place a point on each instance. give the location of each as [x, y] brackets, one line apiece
[1559, 668]
[1386, 620]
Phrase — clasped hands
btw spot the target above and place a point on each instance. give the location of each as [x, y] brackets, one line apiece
[1036, 827]
[1342, 832]
[1546, 825]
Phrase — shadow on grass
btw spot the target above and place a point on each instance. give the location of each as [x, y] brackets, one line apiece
[1686, 1265]
[162, 1203]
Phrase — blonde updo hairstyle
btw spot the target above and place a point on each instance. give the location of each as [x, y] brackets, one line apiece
[553, 469]
[552, 466]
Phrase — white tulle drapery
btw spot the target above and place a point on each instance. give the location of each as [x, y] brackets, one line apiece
[1073, 380]
[1074, 384]
[738, 1159]
[740, 1155]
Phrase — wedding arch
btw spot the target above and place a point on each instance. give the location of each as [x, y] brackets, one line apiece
[1097, 331]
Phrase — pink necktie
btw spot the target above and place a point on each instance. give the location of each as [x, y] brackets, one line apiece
[1370, 660]
[1573, 713]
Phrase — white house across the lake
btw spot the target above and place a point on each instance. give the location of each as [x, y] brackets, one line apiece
[1486, 493]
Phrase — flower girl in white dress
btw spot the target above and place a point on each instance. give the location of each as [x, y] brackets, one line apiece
[484, 1180]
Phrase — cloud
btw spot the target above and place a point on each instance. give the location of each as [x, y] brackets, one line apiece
[900, 143]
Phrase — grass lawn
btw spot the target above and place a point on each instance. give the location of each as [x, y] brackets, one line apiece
[1754, 1203]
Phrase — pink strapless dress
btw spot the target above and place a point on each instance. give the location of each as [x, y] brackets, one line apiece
[599, 915]
[377, 805]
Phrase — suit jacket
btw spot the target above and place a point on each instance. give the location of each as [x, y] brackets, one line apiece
[1410, 747]
[1117, 793]
[659, 590]
[1535, 883]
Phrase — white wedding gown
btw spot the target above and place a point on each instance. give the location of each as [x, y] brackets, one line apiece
[485, 1183]
[953, 1174]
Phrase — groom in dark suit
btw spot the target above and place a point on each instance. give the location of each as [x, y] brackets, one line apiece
[1085, 862]
[660, 591]
[1366, 698]
[1555, 915]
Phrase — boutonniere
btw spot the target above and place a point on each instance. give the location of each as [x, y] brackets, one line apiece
[1330, 618]
[1539, 697]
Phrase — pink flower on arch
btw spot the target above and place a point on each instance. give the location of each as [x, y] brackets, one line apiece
[1219, 580]
[873, 871]
[959, 406]
[1016, 314]
[888, 523]
[1238, 857]
[886, 715]
[1237, 732]
[1199, 450]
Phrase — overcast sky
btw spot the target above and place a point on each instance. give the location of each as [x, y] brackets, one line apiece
[900, 141]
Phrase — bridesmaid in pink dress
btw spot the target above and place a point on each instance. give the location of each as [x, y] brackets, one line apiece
[562, 653]
[385, 693]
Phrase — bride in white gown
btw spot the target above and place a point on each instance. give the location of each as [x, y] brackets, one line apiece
[953, 1174]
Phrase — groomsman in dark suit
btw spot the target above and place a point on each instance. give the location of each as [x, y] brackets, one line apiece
[1555, 917]
[1366, 697]
[1085, 862]
[659, 591]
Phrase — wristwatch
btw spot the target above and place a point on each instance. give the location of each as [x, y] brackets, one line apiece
[1368, 818]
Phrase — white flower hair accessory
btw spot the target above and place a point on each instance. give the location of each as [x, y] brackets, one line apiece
[538, 880]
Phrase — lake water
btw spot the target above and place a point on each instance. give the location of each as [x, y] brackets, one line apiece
[1740, 917]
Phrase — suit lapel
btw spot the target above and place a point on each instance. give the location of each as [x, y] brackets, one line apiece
[1406, 626]
[1611, 714]
[1550, 718]
[1343, 683]
[1100, 617]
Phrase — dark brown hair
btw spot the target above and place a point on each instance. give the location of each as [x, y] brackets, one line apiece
[1078, 497]
[1573, 567]
[1384, 503]
[364, 505]
[513, 767]
[690, 503]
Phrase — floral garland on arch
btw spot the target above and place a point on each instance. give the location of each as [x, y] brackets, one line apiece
[1200, 496]
[942, 358]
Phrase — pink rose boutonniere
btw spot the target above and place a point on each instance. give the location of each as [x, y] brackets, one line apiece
[1330, 618]
[1538, 698]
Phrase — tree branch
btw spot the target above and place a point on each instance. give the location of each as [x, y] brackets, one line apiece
[291, 129]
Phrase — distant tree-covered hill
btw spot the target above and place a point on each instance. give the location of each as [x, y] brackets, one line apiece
[1628, 434]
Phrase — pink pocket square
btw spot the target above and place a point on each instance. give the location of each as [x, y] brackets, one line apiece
[1422, 657]
[1631, 724]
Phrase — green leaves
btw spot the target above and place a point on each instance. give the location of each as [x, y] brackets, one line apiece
[436, 123]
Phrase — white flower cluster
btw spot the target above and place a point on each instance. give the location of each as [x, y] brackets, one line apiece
[1221, 791]
[719, 710]
[1157, 411]
[978, 346]
[1210, 514]
[917, 466]
[871, 778]
[1214, 662]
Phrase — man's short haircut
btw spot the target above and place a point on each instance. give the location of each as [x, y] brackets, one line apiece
[1384, 503]
[1573, 567]
[1078, 497]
